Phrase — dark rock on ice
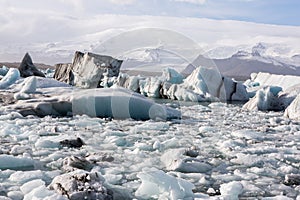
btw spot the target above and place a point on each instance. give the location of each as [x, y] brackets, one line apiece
[87, 70]
[7, 98]
[292, 179]
[107, 158]
[77, 143]
[27, 68]
[191, 152]
[81, 184]
[42, 109]
[74, 162]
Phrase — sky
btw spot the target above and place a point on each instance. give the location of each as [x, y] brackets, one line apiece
[280, 12]
[53, 21]
[50, 17]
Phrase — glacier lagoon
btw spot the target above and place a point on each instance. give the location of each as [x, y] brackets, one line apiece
[216, 150]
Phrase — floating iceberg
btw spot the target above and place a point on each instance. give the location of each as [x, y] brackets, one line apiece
[267, 79]
[87, 69]
[36, 189]
[157, 184]
[28, 87]
[10, 78]
[101, 102]
[150, 87]
[203, 84]
[264, 100]
[119, 103]
[172, 76]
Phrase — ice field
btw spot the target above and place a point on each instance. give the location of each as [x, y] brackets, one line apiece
[215, 151]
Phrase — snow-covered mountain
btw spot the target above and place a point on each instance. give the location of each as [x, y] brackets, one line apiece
[235, 47]
[278, 54]
[259, 58]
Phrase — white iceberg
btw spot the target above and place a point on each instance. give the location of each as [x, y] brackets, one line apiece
[157, 184]
[10, 78]
[204, 80]
[264, 100]
[231, 190]
[150, 87]
[172, 76]
[129, 82]
[283, 81]
[203, 84]
[207, 84]
[28, 87]
[176, 161]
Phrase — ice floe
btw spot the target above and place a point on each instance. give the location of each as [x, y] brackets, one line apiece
[159, 185]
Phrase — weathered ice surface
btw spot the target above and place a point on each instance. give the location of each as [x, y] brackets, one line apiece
[27, 68]
[81, 185]
[10, 78]
[273, 92]
[116, 103]
[283, 81]
[287, 97]
[63, 73]
[119, 103]
[87, 70]
[264, 100]
[293, 110]
[201, 85]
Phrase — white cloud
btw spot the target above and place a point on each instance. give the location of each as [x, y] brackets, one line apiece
[78, 5]
[122, 2]
[192, 1]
